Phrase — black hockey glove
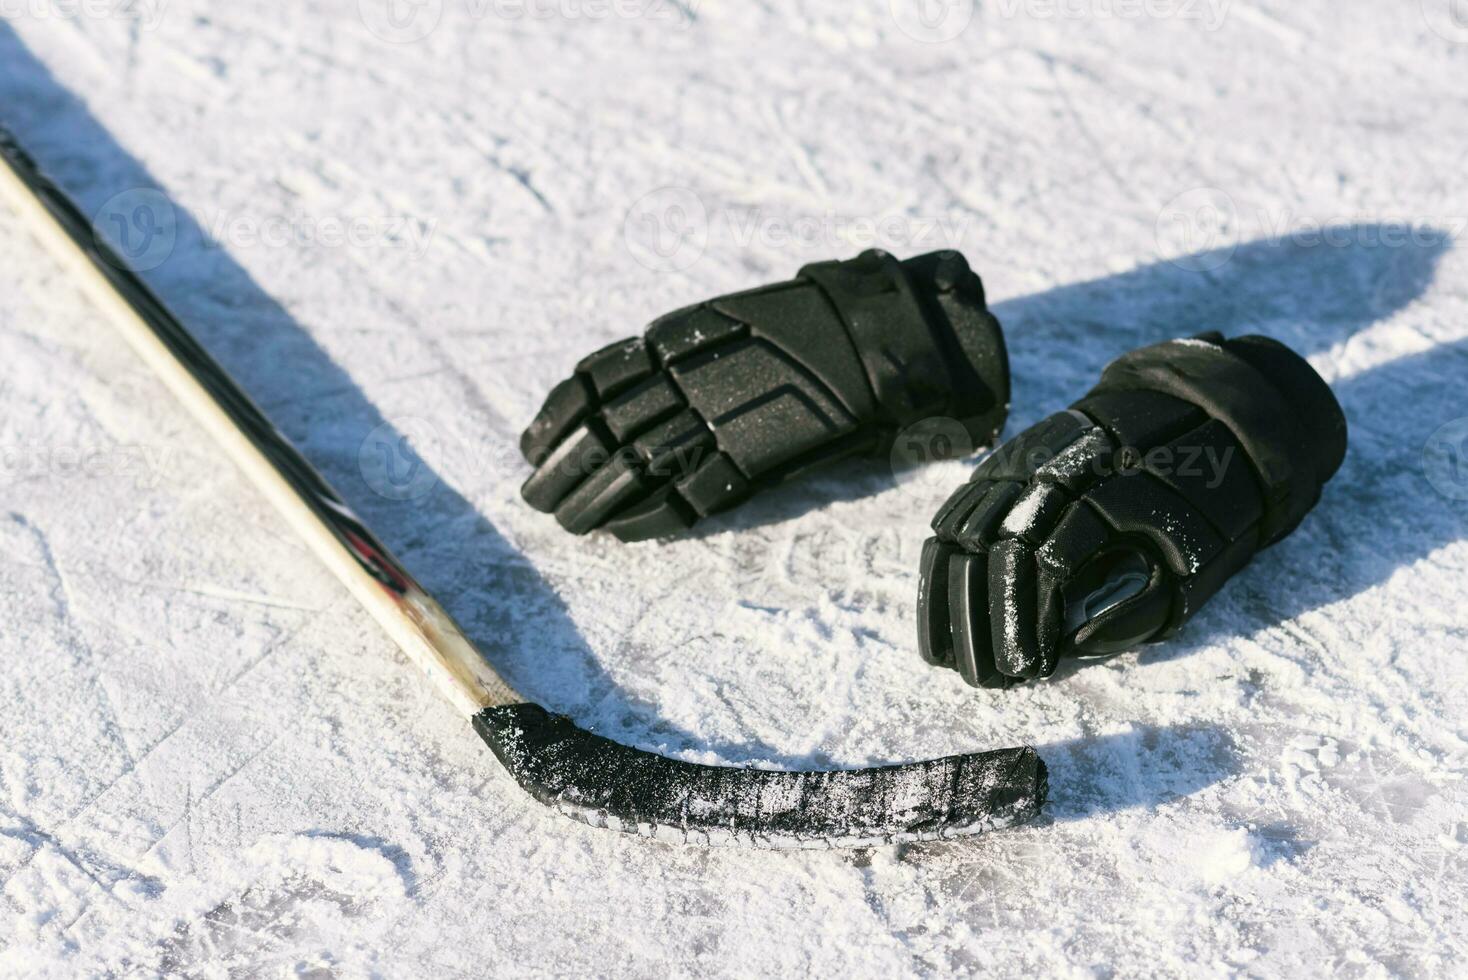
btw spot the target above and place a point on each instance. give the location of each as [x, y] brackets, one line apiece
[723, 398]
[1109, 525]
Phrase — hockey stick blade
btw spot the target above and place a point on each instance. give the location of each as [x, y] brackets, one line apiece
[583, 775]
[607, 784]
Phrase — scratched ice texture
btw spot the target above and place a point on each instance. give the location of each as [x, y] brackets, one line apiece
[398, 226]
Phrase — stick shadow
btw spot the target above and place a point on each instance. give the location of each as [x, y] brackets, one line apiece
[498, 596]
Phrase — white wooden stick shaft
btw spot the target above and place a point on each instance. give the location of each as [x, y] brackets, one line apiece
[423, 629]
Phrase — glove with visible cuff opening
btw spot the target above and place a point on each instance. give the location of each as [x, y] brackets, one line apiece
[1110, 524]
[723, 398]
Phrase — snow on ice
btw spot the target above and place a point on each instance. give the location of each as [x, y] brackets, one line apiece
[212, 763]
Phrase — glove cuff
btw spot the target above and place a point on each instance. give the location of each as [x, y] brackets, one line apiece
[1320, 420]
[972, 340]
[1283, 414]
[925, 337]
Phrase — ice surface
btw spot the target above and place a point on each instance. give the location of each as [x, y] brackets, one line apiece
[212, 763]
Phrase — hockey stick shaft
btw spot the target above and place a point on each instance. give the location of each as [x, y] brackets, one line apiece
[313, 509]
[583, 775]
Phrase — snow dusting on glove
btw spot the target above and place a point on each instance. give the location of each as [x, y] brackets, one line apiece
[1110, 524]
[720, 399]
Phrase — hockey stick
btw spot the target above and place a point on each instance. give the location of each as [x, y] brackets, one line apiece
[583, 775]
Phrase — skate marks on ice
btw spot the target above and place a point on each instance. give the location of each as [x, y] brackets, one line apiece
[308, 904]
[1311, 298]
[498, 595]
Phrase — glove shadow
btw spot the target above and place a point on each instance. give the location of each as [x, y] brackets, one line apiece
[1308, 297]
[1369, 282]
[1381, 512]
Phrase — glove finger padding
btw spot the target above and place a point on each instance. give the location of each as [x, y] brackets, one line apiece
[720, 399]
[1110, 524]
